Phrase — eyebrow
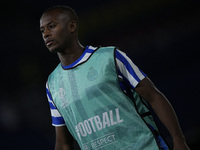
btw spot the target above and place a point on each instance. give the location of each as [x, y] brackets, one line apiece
[46, 24]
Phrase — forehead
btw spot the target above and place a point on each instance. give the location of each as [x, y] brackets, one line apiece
[52, 16]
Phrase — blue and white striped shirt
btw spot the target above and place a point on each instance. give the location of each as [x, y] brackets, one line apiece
[127, 70]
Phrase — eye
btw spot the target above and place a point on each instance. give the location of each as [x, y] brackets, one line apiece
[42, 30]
[51, 26]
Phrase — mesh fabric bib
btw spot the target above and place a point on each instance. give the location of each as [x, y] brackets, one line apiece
[96, 111]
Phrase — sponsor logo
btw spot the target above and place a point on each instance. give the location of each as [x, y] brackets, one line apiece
[98, 123]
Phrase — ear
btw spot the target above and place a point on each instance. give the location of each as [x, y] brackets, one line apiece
[72, 26]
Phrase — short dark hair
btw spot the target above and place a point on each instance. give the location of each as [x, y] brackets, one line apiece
[64, 9]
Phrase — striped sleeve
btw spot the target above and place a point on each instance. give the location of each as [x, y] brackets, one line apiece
[57, 119]
[128, 70]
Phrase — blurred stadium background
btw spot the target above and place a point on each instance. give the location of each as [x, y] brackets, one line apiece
[161, 37]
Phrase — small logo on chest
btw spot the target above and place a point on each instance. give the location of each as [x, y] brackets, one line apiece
[61, 95]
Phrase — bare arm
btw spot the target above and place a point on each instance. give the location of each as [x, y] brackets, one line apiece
[64, 140]
[163, 110]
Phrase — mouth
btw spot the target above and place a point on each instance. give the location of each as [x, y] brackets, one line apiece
[49, 42]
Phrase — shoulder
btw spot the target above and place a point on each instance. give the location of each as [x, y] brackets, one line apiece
[55, 71]
[91, 49]
[107, 48]
[118, 53]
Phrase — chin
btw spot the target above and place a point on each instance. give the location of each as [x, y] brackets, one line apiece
[53, 49]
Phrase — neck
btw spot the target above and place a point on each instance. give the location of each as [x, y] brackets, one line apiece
[71, 54]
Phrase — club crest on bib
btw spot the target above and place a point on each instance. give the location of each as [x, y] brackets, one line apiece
[92, 74]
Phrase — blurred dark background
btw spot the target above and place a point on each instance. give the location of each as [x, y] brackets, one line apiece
[161, 37]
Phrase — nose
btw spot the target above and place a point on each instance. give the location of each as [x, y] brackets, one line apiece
[46, 33]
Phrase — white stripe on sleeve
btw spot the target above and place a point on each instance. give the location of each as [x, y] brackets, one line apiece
[126, 74]
[135, 68]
